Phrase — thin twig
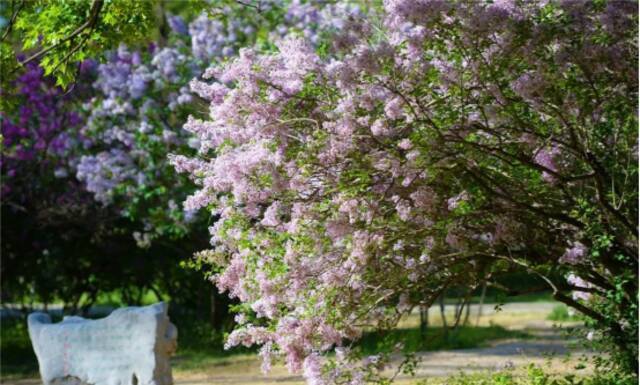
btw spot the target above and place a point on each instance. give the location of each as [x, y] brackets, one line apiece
[12, 21]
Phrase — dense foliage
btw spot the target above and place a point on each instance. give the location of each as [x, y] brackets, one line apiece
[535, 375]
[438, 144]
[36, 187]
[60, 34]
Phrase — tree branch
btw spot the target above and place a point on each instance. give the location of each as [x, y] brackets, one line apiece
[600, 173]
[96, 7]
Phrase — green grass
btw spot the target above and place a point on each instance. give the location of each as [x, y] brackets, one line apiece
[115, 299]
[112, 298]
[464, 337]
[495, 298]
[532, 297]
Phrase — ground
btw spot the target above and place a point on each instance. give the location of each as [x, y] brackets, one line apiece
[546, 344]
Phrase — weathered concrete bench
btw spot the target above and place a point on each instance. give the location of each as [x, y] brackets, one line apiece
[130, 346]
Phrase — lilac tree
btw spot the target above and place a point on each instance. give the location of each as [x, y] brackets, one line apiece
[436, 144]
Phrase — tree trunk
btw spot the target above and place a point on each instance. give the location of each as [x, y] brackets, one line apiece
[444, 318]
[424, 320]
[466, 315]
[484, 292]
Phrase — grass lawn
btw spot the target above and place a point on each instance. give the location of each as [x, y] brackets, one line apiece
[495, 299]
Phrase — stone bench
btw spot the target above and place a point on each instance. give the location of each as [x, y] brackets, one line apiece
[131, 346]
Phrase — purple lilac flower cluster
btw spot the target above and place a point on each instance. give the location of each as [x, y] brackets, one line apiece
[127, 120]
[41, 132]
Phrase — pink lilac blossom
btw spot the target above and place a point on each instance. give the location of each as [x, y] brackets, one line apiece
[574, 255]
[405, 144]
[393, 108]
[140, 94]
[547, 158]
[333, 193]
[454, 202]
[576, 280]
[313, 370]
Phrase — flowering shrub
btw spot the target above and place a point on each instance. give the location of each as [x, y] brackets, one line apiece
[116, 146]
[442, 145]
[143, 97]
[140, 99]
